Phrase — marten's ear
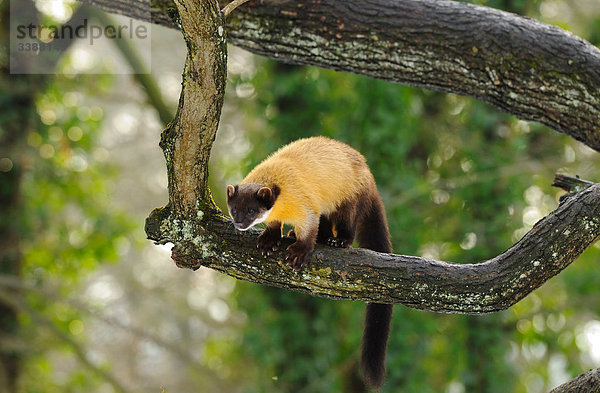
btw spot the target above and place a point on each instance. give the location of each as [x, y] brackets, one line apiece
[230, 191]
[266, 196]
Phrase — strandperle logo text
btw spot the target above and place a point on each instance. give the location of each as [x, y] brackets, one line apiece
[90, 32]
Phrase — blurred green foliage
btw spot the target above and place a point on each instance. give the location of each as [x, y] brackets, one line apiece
[70, 227]
[66, 192]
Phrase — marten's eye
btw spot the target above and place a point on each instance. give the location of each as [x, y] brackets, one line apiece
[234, 211]
[251, 211]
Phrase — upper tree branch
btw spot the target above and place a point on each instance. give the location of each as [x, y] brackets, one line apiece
[526, 68]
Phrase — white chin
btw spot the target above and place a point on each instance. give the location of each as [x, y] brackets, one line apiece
[262, 218]
[258, 220]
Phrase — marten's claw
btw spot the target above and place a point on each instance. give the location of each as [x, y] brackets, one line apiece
[266, 252]
[337, 242]
[295, 264]
[298, 254]
[268, 243]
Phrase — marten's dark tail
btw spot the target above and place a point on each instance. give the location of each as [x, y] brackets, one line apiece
[374, 344]
[373, 233]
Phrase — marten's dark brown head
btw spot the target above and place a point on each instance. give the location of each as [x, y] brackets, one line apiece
[250, 204]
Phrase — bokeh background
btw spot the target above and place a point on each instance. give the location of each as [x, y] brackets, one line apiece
[87, 304]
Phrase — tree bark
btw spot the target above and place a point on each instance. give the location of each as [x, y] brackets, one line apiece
[523, 67]
[188, 139]
[585, 383]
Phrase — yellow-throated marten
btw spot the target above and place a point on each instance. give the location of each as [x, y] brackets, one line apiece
[325, 190]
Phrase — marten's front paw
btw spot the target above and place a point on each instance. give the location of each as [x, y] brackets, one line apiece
[298, 254]
[268, 242]
[337, 242]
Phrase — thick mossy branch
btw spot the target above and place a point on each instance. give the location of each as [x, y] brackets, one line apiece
[532, 70]
[526, 68]
[358, 274]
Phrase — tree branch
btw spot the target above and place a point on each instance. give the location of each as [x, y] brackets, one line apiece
[523, 67]
[188, 139]
[229, 8]
[588, 382]
[570, 183]
[357, 274]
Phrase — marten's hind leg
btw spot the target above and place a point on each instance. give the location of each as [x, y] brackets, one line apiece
[344, 225]
[325, 231]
